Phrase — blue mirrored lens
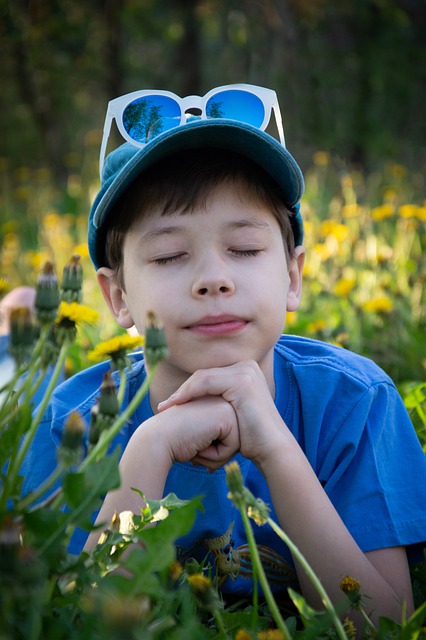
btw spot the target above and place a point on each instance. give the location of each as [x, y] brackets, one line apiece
[146, 117]
[236, 105]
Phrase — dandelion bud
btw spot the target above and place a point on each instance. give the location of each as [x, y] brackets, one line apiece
[155, 341]
[22, 334]
[108, 403]
[72, 280]
[192, 566]
[47, 294]
[70, 451]
[234, 480]
[94, 430]
[104, 412]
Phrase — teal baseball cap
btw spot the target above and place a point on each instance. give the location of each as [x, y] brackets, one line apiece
[126, 163]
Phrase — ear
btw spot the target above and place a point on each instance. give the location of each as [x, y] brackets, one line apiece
[295, 273]
[115, 297]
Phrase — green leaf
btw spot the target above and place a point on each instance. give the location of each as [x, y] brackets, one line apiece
[84, 490]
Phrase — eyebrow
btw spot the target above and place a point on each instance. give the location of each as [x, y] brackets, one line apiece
[243, 223]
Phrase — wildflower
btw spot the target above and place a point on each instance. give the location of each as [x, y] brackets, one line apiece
[382, 212]
[72, 280]
[379, 304]
[242, 634]
[344, 286]
[349, 628]
[70, 451]
[408, 211]
[271, 634]
[4, 286]
[82, 249]
[104, 412]
[203, 591]
[351, 588]
[321, 158]
[330, 228]
[70, 314]
[352, 210]
[155, 341]
[22, 334]
[47, 294]
[176, 571]
[316, 326]
[116, 348]
[256, 509]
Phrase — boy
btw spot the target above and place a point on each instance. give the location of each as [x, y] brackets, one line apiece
[200, 223]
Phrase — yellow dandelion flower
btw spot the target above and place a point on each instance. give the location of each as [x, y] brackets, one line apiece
[349, 628]
[118, 344]
[199, 583]
[316, 325]
[322, 250]
[77, 313]
[408, 211]
[4, 286]
[242, 634]
[344, 286]
[321, 158]
[51, 220]
[291, 318]
[421, 213]
[389, 195]
[331, 228]
[382, 212]
[82, 250]
[349, 584]
[352, 210]
[379, 304]
[271, 634]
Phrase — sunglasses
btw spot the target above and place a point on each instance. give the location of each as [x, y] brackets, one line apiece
[142, 115]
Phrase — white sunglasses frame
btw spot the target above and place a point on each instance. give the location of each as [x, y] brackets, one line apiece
[117, 106]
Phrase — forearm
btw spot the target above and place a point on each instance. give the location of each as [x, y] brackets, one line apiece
[144, 465]
[306, 514]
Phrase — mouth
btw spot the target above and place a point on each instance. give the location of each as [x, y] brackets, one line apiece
[218, 325]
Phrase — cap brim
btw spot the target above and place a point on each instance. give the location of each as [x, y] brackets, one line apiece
[230, 135]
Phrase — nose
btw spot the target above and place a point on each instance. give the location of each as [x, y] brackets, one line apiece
[212, 277]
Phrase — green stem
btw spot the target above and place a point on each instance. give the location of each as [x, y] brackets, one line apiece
[219, 623]
[121, 388]
[16, 464]
[34, 495]
[31, 367]
[313, 578]
[257, 565]
[104, 441]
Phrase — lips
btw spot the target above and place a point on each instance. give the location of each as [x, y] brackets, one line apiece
[218, 325]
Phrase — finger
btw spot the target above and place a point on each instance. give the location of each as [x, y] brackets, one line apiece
[212, 382]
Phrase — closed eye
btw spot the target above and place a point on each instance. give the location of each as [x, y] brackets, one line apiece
[245, 253]
[169, 259]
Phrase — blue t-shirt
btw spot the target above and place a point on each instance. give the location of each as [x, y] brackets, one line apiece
[351, 424]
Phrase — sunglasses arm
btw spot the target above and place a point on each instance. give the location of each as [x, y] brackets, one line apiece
[107, 129]
[279, 121]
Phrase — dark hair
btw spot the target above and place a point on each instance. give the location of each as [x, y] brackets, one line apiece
[183, 183]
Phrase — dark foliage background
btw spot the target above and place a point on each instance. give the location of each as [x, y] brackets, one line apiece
[350, 75]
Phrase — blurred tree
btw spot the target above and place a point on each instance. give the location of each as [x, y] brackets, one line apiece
[350, 76]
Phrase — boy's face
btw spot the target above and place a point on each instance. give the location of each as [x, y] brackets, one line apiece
[217, 278]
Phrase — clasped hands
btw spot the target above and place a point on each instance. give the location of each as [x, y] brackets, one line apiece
[219, 412]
